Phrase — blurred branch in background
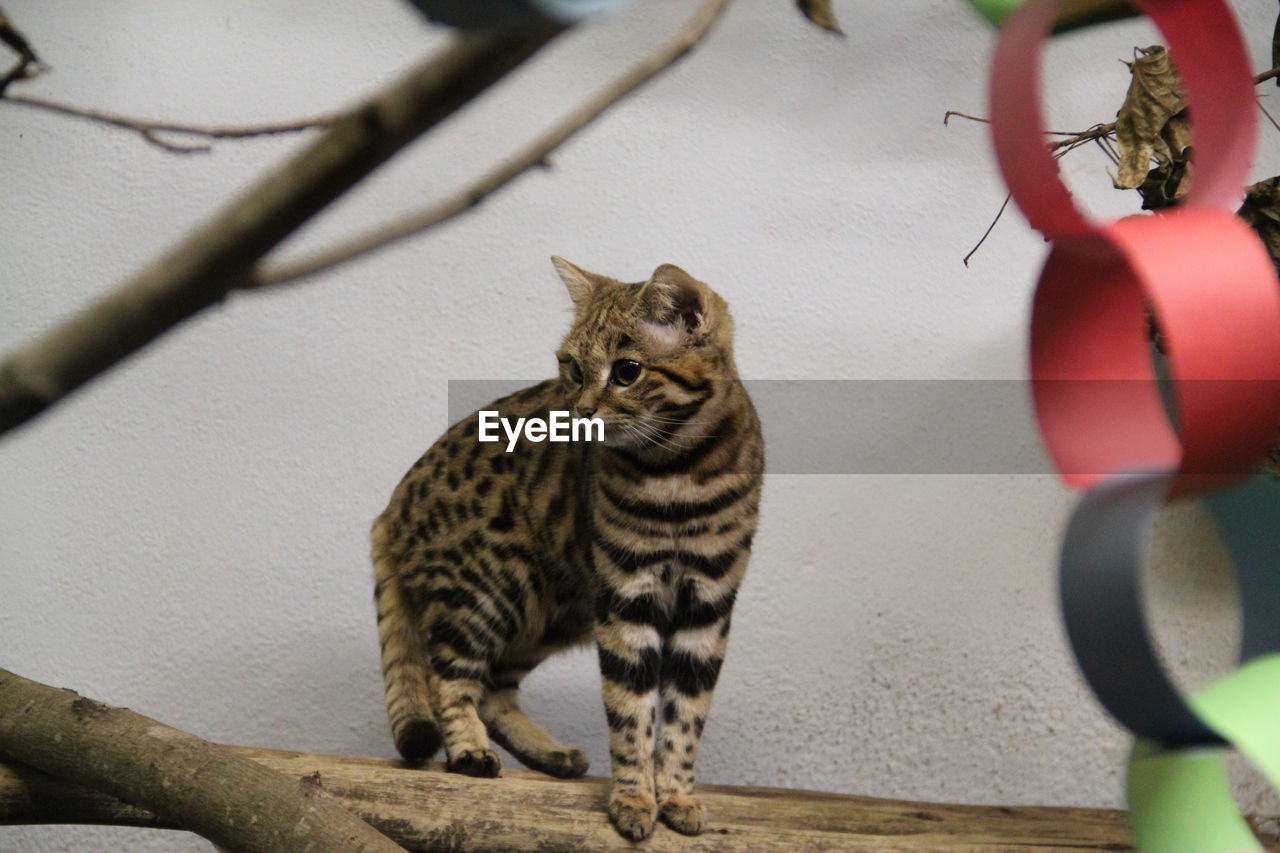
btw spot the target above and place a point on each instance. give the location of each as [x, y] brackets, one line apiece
[220, 257]
[27, 64]
[535, 155]
[216, 257]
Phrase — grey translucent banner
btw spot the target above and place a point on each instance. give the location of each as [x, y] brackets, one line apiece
[841, 426]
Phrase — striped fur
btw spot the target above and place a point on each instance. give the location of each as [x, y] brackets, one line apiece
[485, 562]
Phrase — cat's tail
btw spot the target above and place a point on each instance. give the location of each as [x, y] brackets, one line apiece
[404, 668]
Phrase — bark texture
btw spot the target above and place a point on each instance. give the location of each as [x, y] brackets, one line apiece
[164, 775]
[429, 810]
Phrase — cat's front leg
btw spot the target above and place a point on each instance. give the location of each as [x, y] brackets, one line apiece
[692, 654]
[629, 643]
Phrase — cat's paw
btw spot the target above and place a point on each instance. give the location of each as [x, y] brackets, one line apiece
[684, 813]
[633, 816]
[568, 763]
[475, 762]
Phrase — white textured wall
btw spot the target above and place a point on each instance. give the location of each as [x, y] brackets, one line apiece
[187, 537]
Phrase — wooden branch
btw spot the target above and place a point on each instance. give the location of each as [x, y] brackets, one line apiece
[15, 40]
[27, 65]
[535, 155]
[429, 810]
[177, 777]
[216, 258]
[155, 131]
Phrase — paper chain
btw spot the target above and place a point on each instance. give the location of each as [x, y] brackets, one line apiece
[1211, 287]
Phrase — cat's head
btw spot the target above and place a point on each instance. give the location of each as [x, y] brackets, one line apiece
[650, 358]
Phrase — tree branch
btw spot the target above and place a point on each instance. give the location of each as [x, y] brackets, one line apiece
[154, 131]
[217, 257]
[178, 778]
[534, 155]
[18, 43]
[529, 811]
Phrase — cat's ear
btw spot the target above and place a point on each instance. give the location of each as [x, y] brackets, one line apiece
[579, 282]
[679, 300]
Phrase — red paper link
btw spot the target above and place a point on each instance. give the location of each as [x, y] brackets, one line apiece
[1199, 269]
[1206, 277]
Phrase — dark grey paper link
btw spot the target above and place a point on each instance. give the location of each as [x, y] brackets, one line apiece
[1100, 584]
[1101, 594]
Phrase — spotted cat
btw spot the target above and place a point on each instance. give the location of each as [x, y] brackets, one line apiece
[487, 561]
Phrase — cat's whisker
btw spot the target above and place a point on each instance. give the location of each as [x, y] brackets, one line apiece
[653, 417]
[645, 437]
[695, 436]
[656, 437]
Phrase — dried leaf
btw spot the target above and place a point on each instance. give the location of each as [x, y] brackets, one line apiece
[1154, 96]
[1170, 179]
[1261, 209]
[821, 13]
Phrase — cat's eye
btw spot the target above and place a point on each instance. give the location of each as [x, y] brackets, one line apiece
[626, 371]
[575, 372]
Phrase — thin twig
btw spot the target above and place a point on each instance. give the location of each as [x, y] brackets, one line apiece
[990, 228]
[535, 155]
[1074, 137]
[154, 131]
[946, 121]
[946, 117]
[1269, 116]
[1098, 131]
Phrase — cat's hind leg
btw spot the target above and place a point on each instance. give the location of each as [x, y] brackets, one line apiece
[518, 733]
[458, 677]
[404, 668]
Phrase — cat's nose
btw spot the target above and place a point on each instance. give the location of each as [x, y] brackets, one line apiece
[586, 411]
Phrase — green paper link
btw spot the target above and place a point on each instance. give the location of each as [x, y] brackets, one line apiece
[1180, 800]
[996, 11]
[1072, 14]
